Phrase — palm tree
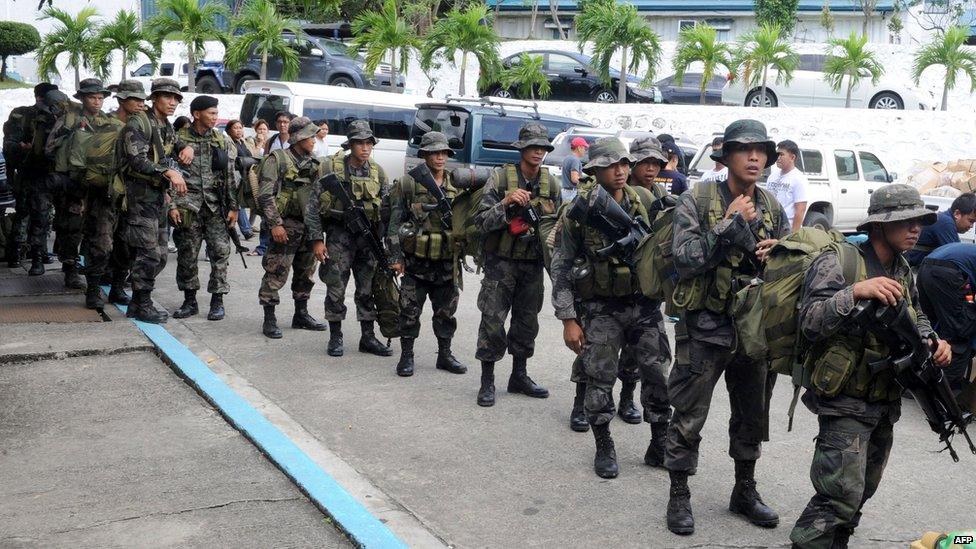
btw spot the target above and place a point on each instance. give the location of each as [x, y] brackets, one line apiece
[849, 57]
[526, 75]
[947, 50]
[467, 31]
[124, 34]
[262, 29]
[75, 36]
[190, 23]
[612, 27]
[382, 31]
[699, 44]
[761, 50]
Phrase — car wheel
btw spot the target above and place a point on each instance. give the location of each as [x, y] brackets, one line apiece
[754, 99]
[887, 100]
[503, 92]
[342, 82]
[242, 80]
[817, 220]
[605, 96]
[208, 85]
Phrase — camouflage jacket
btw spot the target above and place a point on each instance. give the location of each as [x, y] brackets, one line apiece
[492, 215]
[271, 178]
[313, 214]
[204, 185]
[401, 211]
[136, 148]
[15, 133]
[61, 127]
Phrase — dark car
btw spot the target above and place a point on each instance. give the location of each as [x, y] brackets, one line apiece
[689, 91]
[572, 78]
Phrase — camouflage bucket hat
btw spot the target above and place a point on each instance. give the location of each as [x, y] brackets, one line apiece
[359, 130]
[434, 142]
[91, 86]
[604, 152]
[301, 129]
[130, 89]
[533, 134]
[746, 132]
[166, 85]
[644, 148]
[897, 202]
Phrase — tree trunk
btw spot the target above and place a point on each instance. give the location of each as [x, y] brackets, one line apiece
[762, 98]
[191, 70]
[77, 78]
[264, 65]
[554, 10]
[701, 98]
[622, 84]
[3, 69]
[945, 97]
[464, 68]
[850, 86]
[535, 14]
[124, 55]
[393, 72]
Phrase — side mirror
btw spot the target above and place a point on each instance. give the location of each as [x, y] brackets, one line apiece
[315, 52]
[580, 70]
[892, 177]
[455, 143]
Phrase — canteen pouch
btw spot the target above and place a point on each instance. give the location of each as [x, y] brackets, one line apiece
[747, 313]
[833, 368]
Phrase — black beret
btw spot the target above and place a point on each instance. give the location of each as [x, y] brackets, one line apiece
[202, 103]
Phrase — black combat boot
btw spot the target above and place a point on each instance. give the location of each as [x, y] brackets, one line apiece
[654, 457]
[37, 263]
[445, 358]
[334, 348]
[216, 307]
[680, 519]
[189, 306]
[745, 498]
[404, 367]
[627, 410]
[577, 418]
[605, 462]
[486, 394]
[142, 308]
[116, 293]
[270, 327]
[304, 321]
[93, 296]
[520, 382]
[12, 254]
[368, 342]
[72, 278]
[842, 537]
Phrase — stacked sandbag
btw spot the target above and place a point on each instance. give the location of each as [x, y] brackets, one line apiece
[943, 179]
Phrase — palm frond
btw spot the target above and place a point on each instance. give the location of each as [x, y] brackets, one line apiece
[382, 31]
[610, 27]
[527, 76]
[761, 49]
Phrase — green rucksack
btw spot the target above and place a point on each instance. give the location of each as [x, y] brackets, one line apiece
[386, 296]
[655, 257]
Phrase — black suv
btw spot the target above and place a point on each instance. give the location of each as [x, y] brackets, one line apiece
[572, 78]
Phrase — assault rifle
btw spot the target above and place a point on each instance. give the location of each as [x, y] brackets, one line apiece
[355, 217]
[911, 358]
[602, 212]
[421, 174]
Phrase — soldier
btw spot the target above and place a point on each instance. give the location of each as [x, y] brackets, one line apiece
[347, 253]
[286, 177]
[422, 251]
[514, 262]
[38, 171]
[148, 142]
[856, 420]
[206, 211]
[722, 232]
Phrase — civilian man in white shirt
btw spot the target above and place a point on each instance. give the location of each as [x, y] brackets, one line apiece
[789, 184]
[321, 149]
[720, 172]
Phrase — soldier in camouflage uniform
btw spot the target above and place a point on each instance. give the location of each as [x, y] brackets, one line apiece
[722, 232]
[38, 170]
[149, 171]
[206, 211]
[856, 419]
[285, 178]
[421, 249]
[346, 253]
[514, 263]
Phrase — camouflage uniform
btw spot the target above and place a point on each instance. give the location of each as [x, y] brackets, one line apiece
[855, 435]
[38, 171]
[14, 155]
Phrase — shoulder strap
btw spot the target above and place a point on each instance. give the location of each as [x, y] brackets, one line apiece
[772, 212]
[511, 177]
[851, 262]
[641, 200]
[709, 204]
[544, 183]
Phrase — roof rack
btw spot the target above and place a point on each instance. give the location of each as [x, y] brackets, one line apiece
[491, 101]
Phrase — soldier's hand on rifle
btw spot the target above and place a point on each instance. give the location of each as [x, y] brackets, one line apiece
[279, 234]
[175, 217]
[320, 251]
[763, 247]
[743, 206]
[882, 288]
[397, 268]
[518, 196]
[231, 218]
[186, 155]
[573, 335]
[176, 181]
[942, 353]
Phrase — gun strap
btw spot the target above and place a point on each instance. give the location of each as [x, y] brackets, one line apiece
[796, 397]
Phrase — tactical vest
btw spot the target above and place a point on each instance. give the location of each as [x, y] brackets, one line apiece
[431, 239]
[88, 153]
[713, 290]
[291, 197]
[366, 190]
[158, 149]
[603, 277]
[527, 246]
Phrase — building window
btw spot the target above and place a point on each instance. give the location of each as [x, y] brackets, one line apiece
[686, 24]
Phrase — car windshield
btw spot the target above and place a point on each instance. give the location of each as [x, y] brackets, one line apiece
[499, 132]
[451, 122]
[337, 48]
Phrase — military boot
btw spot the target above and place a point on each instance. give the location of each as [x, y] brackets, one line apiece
[12, 254]
[486, 394]
[142, 308]
[116, 293]
[270, 326]
[334, 348]
[605, 462]
[680, 519]
[304, 321]
[72, 278]
[37, 263]
[842, 537]
[216, 307]
[577, 418]
[654, 457]
[445, 358]
[520, 382]
[93, 296]
[368, 342]
[745, 498]
[189, 306]
[404, 367]
[627, 410]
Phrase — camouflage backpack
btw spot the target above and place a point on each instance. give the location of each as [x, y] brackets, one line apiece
[654, 257]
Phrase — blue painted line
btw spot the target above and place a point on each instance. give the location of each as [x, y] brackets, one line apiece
[351, 516]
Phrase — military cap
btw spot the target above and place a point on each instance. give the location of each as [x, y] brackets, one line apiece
[644, 148]
[203, 102]
[434, 142]
[166, 85]
[897, 202]
[55, 100]
[301, 128]
[43, 88]
[91, 86]
[533, 134]
[130, 89]
[746, 132]
[604, 152]
[359, 130]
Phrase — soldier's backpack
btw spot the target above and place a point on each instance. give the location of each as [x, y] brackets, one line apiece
[654, 258]
[468, 240]
[386, 296]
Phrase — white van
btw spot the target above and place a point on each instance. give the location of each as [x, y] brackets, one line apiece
[390, 115]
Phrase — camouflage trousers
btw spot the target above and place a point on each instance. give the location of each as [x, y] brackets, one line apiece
[104, 238]
[515, 286]
[697, 368]
[348, 255]
[56, 193]
[193, 230]
[281, 258]
[623, 334]
[145, 232]
[444, 297]
[848, 462]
